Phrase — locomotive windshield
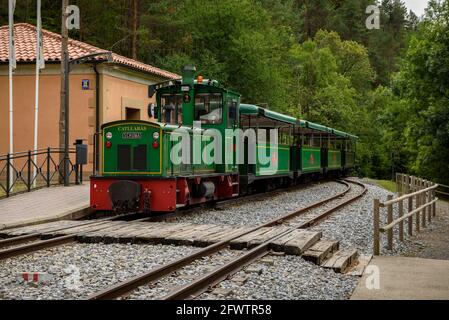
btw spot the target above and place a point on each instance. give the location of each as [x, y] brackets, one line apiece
[209, 108]
[171, 105]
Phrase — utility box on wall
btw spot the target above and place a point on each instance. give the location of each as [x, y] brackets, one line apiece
[81, 153]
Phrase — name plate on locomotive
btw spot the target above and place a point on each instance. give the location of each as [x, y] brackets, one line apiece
[131, 135]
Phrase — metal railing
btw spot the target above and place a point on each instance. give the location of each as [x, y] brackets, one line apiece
[19, 172]
[420, 197]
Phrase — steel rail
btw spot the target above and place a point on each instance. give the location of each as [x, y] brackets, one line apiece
[202, 284]
[34, 247]
[229, 202]
[19, 240]
[38, 236]
[314, 221]
[39, 245]
[130, 285]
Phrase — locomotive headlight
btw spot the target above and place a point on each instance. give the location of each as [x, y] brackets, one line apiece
[109, 135]
[156, 135]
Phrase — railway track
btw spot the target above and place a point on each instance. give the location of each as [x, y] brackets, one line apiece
[232, 202]
[29, 243]
[203, 283]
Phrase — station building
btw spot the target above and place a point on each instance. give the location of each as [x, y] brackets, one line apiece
[100, 90]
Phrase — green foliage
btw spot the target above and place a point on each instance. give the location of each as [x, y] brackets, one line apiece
[423, 84]
[234, 41]
[322, 93]
[387, 184]
[352, 59]
[313, 59]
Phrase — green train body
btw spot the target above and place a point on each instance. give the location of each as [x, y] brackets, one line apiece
[137, 171]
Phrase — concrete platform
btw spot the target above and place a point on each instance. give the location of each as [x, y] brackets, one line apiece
[45, 205]
[406, 279]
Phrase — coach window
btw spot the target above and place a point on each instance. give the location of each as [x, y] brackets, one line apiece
[315, 141]
[209, 108]
[171, 108]
[286, 136]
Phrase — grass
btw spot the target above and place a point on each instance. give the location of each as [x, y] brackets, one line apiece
[386, 184]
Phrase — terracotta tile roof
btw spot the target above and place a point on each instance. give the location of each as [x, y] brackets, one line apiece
[25, 43]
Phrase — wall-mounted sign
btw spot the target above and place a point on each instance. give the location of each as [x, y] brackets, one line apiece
[85, 84]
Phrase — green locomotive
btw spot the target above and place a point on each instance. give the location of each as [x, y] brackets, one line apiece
[207, 146]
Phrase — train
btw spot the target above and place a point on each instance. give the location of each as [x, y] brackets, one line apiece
[138, 172]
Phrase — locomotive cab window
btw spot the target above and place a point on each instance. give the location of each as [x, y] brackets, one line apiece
[232, 113]
[209, 108]
[171, 109]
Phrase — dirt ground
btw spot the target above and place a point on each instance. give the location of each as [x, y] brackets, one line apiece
[433, 242]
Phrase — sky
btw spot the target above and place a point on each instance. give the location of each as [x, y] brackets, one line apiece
[417, 6]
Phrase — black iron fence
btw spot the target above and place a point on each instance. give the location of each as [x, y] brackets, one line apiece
[26, 171]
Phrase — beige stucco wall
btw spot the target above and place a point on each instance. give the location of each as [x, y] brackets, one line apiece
[81, 108]
[120, 88]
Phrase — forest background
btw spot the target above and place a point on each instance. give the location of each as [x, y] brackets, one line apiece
[311, 59]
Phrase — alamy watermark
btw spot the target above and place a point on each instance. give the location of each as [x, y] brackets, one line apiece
[373, 20]
[207, 146]
[73, 17]
[71, 277]
[373, 277]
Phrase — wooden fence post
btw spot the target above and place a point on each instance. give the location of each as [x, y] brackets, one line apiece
[429, 200]
[434, 209]
[418, 204]
[401, 207]
[410, 207]
[409, 181]
[376, 236]
[390, 220]
[397, 182]
[401, 224]
[422, 202]
[404, 185]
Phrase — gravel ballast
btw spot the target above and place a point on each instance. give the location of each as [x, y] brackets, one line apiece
[184, 276]
[353, 224]
[286, 278]
[257, 212]
[279, 277]
[98, 266]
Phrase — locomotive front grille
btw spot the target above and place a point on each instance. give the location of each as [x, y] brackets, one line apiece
[124, 157]
[132, 159]
[140, 158]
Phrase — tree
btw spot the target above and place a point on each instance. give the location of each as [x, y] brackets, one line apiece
[313, 16]
[387, 44]
[349, 19]
[234, 41]
[133, 26]
[423, 83]
[322, 93]
[351, 57]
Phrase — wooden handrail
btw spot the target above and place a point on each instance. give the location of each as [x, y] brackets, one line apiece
[405, 197]
[443, 193]
[408, 215]
[423, 198]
